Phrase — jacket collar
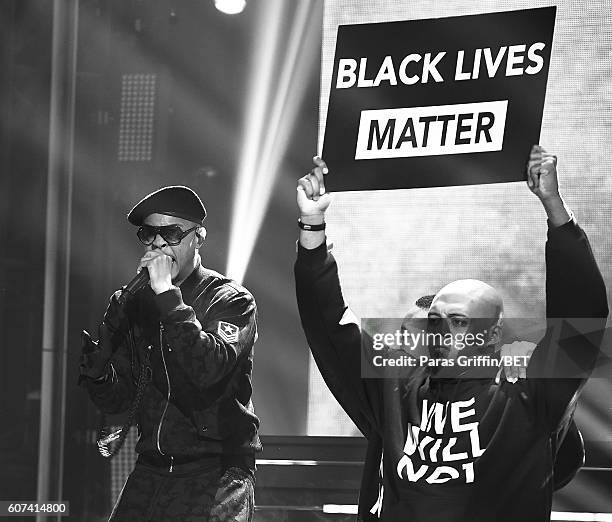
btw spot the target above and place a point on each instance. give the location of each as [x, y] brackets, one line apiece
[191, 282]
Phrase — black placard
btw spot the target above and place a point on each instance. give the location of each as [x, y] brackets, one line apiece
[408, 107]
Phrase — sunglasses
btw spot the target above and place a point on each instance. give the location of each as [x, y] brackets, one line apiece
[171, 234]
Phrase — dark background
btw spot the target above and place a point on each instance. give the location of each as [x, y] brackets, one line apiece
[202, 62]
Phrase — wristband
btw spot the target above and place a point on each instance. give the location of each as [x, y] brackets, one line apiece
[311, 228]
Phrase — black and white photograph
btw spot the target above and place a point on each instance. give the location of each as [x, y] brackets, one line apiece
[305, 260]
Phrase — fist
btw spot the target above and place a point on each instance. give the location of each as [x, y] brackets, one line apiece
[312, 198]
[518, 349]
[542, 174]
[159, 266]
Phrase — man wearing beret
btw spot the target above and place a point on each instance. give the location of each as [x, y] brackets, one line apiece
[178, 356]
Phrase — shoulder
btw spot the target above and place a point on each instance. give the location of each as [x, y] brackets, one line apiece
[220, 288]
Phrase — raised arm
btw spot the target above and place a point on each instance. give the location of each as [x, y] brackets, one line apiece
[332, 332]
[576, 301]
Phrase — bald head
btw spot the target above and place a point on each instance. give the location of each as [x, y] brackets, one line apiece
[468, 297]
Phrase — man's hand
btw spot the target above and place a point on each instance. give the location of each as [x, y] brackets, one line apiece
[159, 266]
[542, 180]
[312, 198]
[542, 174]
[96, 355]
[517, 349]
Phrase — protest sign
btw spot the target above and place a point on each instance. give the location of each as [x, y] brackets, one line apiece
[437, 102]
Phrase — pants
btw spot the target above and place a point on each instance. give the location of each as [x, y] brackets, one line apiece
[203, 496]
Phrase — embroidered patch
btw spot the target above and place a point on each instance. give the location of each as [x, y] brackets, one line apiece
[228, 332]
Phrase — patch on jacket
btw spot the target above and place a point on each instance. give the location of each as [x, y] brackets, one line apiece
[228, 332]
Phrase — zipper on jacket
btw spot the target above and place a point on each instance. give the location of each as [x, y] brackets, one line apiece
[161, 420]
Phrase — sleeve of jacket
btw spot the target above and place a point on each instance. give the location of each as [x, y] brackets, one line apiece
[576, 311]
[336, 347]
[115, 393]
[207, 346]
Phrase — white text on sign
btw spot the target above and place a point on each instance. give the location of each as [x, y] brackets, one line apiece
[416, 68]
[431, 131]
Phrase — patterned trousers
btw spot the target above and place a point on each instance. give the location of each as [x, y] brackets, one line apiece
[198, 496]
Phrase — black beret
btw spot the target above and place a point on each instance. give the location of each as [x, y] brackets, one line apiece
[176, 200]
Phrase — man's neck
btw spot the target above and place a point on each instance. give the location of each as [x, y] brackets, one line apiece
[196, 262]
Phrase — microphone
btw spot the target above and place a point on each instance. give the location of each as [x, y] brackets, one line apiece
[138, 283]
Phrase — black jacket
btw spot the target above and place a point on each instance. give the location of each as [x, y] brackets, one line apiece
[486, 448]
[200, 339]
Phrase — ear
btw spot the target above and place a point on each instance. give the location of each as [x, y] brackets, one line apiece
[201, 236]
[495, 335]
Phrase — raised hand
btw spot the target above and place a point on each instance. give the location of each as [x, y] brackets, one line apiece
[312, 197]
[543, 181]
[542, 177]
[159, 266]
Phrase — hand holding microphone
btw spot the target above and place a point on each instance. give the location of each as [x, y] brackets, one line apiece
[159, 266]
[160, 277]
[96, 355]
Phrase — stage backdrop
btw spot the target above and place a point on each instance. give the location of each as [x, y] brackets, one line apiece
[394, 246]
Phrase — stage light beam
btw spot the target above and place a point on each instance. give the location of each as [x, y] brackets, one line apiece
[265, 147]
